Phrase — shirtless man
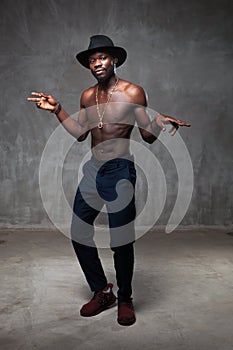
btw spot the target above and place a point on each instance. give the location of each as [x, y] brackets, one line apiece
[108, 111]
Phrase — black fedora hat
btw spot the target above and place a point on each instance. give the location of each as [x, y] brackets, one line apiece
[102, 43]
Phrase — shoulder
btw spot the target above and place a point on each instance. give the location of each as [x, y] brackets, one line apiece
[135, 93]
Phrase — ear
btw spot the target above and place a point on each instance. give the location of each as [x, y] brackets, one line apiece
[115, 60]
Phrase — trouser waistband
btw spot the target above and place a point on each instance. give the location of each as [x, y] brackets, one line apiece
[124, 159]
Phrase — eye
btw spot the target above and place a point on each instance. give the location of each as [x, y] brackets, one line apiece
[103, 58]
[91, 60]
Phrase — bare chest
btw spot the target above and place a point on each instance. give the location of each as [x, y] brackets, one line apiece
[114, 110]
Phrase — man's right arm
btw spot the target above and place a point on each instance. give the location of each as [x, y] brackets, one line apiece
[77, 128]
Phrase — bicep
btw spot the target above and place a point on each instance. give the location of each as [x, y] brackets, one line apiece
[140, 112]
[144, 124]
[82, 118]
[141, 116]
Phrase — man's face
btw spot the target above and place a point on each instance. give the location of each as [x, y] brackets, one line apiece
[102, 65]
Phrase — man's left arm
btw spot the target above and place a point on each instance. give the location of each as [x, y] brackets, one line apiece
[149, 130]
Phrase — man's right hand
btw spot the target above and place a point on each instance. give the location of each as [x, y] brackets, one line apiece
[44, 101]
[49, 103]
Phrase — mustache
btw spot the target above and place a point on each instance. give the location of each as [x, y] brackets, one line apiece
[98, 69]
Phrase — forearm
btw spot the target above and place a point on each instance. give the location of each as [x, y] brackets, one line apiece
[151, 133]
[71, 125]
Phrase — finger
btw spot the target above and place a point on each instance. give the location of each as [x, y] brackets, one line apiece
[178, 121]
[174, 130]
[174, 124]
[182, 123]
[35, 93]
[163, 126]
[42, 94]
[33, 99]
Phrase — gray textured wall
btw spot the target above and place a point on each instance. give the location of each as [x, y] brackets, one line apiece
[179, 51]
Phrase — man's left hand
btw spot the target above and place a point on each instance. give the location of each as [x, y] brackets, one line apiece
[162, 120]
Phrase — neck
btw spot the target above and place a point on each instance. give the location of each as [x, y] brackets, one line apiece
[108, 83]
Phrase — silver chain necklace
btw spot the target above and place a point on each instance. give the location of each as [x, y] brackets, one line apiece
[101, 116]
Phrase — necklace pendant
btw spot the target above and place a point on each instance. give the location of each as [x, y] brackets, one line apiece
[100, 125]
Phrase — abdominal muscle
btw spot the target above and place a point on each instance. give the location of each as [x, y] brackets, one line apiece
[112, 141]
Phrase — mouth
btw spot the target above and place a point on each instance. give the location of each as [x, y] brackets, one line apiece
[99, 71]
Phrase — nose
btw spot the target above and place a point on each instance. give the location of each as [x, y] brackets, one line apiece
[98, 63]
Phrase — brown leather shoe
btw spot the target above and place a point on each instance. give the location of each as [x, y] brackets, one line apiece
[126, 315]
[100, 302]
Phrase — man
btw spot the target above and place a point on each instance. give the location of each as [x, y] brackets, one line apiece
[108, 111]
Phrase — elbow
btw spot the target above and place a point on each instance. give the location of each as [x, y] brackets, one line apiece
[82, 137]
[147, 136]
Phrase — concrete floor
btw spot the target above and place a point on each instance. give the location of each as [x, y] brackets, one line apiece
[183, 294]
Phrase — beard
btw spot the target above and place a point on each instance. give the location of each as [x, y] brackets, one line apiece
[105, 77]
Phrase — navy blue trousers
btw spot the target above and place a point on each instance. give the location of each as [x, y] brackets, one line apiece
[110, 183]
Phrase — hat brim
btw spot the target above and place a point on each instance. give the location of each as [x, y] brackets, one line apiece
[115, 51]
